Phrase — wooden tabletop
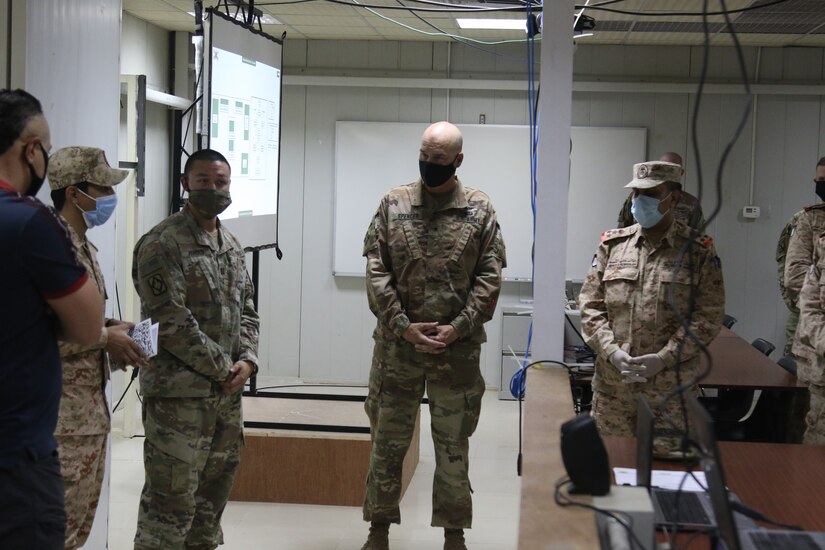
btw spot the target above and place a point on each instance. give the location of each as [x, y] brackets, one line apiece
[543, 525]
[785, 482]
[737, 364]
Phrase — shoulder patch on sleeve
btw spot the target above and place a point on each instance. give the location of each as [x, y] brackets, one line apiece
[705, 241]
[154, 279]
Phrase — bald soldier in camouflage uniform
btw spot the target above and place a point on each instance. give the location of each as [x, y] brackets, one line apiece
[809, 344]
[82, 184]
[434, 259]
[688, 210]
[625, 315]
[190, 273]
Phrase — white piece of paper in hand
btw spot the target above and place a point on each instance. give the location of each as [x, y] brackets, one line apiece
[664, 479]
[145, 335]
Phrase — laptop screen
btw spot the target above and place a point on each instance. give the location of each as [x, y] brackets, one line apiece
[702, 429]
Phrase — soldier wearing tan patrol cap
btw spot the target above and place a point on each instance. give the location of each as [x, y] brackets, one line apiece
[626, 317]
[687, 209]
[82, 192]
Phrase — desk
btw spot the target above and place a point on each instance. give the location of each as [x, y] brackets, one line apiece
[785, 482]
[542, 524]
[739, 365]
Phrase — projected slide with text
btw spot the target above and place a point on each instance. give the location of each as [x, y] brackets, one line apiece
[245, 127]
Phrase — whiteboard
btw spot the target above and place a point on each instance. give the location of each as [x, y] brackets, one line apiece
[373, 157]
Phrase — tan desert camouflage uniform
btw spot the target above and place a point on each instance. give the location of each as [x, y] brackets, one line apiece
[428, 259]
[799, 256]
[83, 422]
[624, 306]
[809, 345]
[790, 303]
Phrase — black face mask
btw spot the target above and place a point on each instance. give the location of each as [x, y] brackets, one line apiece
[820, 189]
[434, 175]
[37, 181]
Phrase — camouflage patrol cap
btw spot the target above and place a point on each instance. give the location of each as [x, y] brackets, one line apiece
[647, 175]
[73, 165]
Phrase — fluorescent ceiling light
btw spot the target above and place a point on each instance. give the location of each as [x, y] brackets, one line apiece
[497, 24]
[266, 19]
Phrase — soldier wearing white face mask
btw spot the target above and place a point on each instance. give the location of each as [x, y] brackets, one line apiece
[82, 184]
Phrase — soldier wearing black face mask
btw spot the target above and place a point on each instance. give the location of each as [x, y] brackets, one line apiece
[434, 258]
[794, 257]
[47, 294]
[797, 241]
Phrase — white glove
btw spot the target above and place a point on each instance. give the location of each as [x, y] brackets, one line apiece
[651, 365]
[620, 360]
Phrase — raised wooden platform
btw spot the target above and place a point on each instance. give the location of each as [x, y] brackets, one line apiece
[308, 467]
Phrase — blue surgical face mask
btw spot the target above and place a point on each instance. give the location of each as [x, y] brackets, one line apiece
[645, 210]
[104, 208]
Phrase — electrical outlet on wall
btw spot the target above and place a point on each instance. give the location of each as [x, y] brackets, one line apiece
[482, 118]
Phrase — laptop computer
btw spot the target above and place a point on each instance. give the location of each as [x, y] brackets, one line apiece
[733, 537]
[683, 510]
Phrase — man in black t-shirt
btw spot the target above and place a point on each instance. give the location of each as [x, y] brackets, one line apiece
[46, 292]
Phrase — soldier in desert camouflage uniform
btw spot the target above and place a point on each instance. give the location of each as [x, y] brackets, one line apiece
[781, 257]
[810, 222]
[191, 276]
[626, 317]
[809, 344]
[82, 183]
[434, 259]
[688, 211]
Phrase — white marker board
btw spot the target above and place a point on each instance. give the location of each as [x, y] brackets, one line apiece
[373, 157]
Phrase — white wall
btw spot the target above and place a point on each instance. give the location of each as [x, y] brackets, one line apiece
[317, 327]
[321, 325]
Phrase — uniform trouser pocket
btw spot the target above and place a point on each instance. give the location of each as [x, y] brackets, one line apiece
[455, 410]
[395, 391]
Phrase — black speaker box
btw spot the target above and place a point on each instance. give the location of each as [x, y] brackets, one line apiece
[585, 457]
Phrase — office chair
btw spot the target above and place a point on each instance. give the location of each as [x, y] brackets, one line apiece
[788, 363]
[764, 346]
[729, 321]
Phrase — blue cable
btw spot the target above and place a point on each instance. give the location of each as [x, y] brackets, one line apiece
[517, 381]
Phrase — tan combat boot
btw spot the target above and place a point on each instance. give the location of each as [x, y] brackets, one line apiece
[378, 538]
[454, 539]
